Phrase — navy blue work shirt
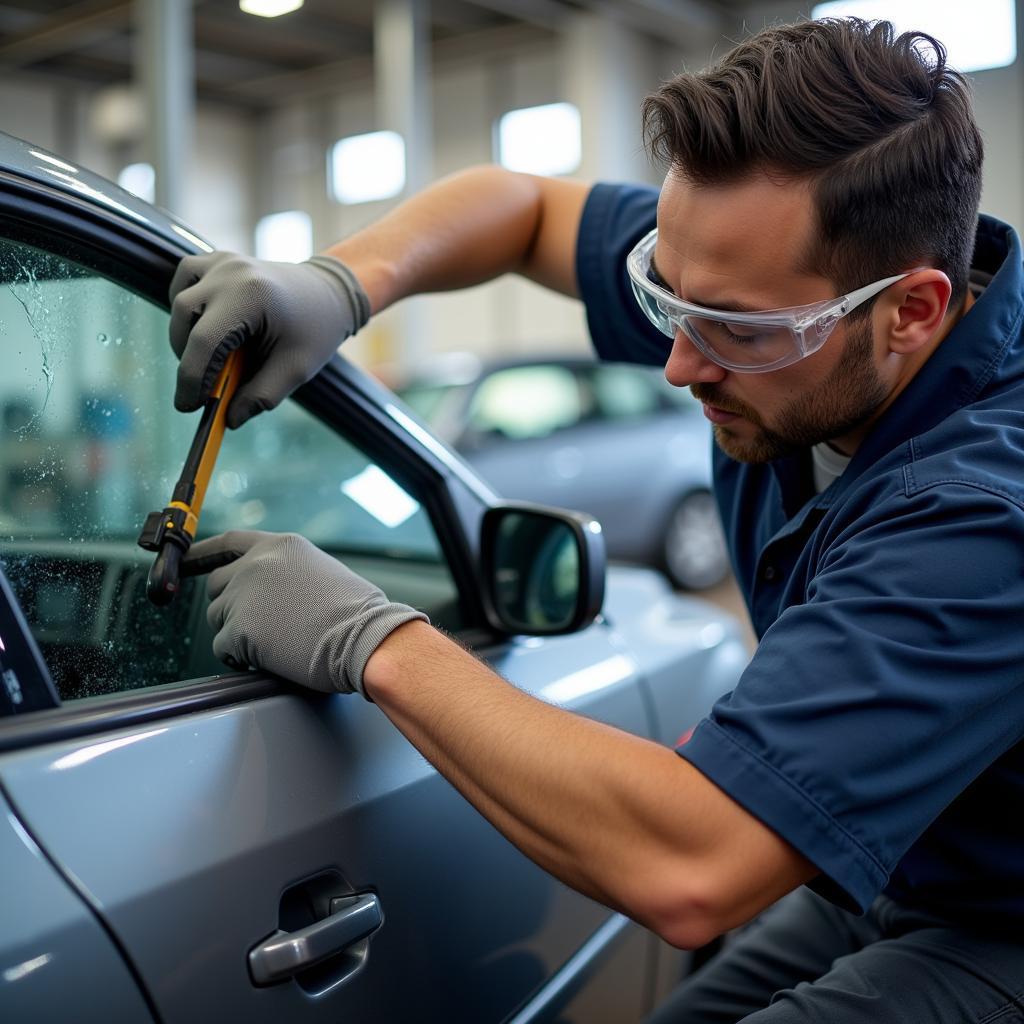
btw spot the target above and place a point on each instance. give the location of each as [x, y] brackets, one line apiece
[879, 725]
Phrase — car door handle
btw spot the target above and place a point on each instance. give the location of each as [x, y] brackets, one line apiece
[284, 954]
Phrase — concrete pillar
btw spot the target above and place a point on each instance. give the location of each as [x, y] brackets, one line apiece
[165, 76]
[402, 90]
[403, 102]
[609, 68]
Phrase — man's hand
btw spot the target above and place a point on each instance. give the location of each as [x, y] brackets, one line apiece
[291, 318]
[281, 604]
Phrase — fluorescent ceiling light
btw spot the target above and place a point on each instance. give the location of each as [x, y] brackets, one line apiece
[540, 140]
[286, 236]
[367, 167]
[269, 8]
[978, 35]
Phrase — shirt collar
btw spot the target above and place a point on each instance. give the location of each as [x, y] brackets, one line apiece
[984, 351]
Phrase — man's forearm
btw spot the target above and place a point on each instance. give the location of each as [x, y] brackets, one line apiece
[466, 229]
[615, 816]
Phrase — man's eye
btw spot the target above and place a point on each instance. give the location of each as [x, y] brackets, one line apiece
[739, 334]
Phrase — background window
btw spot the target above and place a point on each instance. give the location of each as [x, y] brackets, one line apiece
[140, 180]
[285, 236]
[977, 35]
[90, 442]
[541, 140]
[367, 167]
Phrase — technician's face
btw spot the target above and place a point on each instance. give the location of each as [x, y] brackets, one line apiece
[742, 244]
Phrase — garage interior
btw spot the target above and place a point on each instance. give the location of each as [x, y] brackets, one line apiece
[274, 128]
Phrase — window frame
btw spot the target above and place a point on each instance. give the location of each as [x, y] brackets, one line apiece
[345, 399]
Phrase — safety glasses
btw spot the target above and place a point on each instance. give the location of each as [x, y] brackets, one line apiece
[743, 342]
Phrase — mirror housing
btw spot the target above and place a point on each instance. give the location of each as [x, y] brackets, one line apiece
[543, 569]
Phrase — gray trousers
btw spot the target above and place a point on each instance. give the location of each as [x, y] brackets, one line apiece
[805, 960]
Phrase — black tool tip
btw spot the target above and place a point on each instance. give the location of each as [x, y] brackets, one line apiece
[162, 584]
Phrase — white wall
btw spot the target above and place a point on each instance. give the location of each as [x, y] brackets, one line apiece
[219, 199]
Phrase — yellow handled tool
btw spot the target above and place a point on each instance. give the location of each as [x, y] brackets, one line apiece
[170, 533]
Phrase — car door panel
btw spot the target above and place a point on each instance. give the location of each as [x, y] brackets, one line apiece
[52, 945]
[185, 834]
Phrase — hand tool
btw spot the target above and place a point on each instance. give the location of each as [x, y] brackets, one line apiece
[170, 532]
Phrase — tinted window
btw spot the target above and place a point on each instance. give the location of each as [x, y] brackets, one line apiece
[89, 443]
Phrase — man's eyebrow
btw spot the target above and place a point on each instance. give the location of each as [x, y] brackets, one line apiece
[731, 307]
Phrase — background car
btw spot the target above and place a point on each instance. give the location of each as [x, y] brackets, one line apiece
[166, 825]
[617, 441]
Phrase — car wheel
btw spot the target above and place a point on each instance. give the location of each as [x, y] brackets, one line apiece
[693, 549]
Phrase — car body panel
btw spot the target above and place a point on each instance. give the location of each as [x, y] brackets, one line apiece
[51, 945]
[184, 834]
[682, 655]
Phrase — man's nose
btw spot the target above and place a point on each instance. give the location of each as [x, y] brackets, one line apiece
[688, 365]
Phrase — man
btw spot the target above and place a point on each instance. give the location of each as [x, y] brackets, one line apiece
[870, 433]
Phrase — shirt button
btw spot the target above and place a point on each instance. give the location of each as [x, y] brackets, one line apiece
[769, 573]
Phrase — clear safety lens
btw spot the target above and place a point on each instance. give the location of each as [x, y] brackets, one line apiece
[655, 313]
[750, 343]
[741, 344]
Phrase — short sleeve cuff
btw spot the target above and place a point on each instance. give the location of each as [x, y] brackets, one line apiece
[614, 219]
[851, 876]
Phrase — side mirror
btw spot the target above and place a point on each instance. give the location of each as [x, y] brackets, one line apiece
[543, 569]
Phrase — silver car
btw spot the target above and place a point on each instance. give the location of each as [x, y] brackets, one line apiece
[181, 843]
[615, 440]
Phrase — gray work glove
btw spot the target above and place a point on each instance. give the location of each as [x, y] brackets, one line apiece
[291, 317]
[281, 604]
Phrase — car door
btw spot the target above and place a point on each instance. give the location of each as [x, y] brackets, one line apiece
[203, 816]
[50, 942]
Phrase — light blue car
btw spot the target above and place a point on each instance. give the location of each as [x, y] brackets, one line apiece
[617, 441]
[180, 843]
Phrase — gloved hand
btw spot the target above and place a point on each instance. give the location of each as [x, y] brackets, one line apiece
[281, 604]
[291, 317]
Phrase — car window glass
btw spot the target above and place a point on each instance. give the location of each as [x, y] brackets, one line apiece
[90, 443]
[526, 401]
[625, 392]
[441, 406]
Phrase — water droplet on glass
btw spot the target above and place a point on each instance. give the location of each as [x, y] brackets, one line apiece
[117, 341]
[102, 338]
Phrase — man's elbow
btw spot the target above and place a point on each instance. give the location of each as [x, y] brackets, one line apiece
[685, 916]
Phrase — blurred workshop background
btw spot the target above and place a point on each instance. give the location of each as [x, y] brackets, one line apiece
[276, 127]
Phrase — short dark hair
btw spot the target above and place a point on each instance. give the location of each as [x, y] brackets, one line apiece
[878, 123]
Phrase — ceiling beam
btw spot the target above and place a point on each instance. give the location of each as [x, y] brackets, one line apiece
[548, 14]
[327, 79]
[231, 30]
[682, 22]
[71, 29]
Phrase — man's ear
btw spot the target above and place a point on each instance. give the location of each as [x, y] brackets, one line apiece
[916, 310]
